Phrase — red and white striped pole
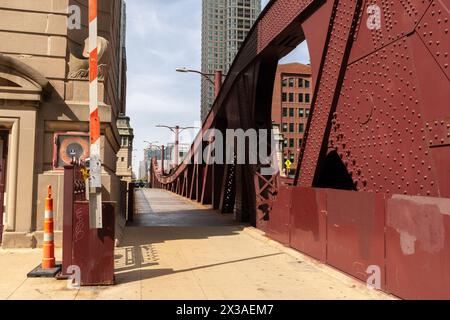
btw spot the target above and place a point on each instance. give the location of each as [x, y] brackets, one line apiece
[95, 200]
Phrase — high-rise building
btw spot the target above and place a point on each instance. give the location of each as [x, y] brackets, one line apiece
[225, 25]
[291, 103]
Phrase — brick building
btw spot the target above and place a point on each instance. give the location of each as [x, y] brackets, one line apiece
[292, 98]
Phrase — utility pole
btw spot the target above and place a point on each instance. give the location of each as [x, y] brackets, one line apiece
[176, 130]
[162, 159]
[95, 194]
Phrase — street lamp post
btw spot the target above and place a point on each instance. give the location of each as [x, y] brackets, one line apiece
[176, 130]
[217, 83]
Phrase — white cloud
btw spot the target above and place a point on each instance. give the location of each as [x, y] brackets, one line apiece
[161, 36]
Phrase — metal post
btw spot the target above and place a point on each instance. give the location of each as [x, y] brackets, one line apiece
[95, 198]
[162, 159]
[217, 82]
[176, 130]
[177, 142]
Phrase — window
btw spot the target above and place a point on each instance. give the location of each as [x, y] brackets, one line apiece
[301, 112]
[291, 112]
[301, 127]
[291, 97]
[300, 97]
[285, 112]
[300, 143]
[307, 112]
[291, 143]
[284, 97]
[300, 83]
[291, 127]
[291, 82]
[285, 143]
[284, 83]
[307, 84]
[307, 98]
[285, 127]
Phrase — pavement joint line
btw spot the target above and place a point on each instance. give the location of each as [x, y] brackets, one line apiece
[17, 288]
[329, 270]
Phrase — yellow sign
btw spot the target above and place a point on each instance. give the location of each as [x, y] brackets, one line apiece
[288, 164]
[85, 173]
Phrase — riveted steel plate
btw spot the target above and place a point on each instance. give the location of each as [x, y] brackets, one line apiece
[433, 29]
[277, 227]
[281, 15]
[378, 128]
[323, 102]
[398, 18]
[308, 226]
[355, 232]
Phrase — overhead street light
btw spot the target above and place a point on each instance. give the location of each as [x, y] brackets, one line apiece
[176, 130]
[217, 83]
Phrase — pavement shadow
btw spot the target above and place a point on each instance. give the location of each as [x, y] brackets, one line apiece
[137, 274]
[161, 218]
[138, 250]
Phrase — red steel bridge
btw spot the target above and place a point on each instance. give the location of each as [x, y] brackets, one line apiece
[373, 185]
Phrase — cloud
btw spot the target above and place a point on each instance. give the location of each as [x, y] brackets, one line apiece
[163, 35]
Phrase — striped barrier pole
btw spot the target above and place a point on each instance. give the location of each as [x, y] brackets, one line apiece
[48, 260]
[95, 199]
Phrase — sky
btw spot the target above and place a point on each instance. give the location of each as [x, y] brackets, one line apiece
[163, 35]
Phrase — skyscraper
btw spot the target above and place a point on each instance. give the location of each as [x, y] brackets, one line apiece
[225, 24]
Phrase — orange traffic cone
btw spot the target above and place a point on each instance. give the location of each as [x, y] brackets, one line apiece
[48, 261]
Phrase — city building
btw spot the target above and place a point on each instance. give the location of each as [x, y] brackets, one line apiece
[44, 108]
[293, 91]
[125, 154]
[183, 149]
[143, 170]
[225, 25]
[169, 156]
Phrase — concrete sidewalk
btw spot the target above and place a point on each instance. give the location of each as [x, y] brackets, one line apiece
[192, 262]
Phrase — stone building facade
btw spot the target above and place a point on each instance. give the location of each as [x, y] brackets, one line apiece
[125, 154]
[44, 108]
